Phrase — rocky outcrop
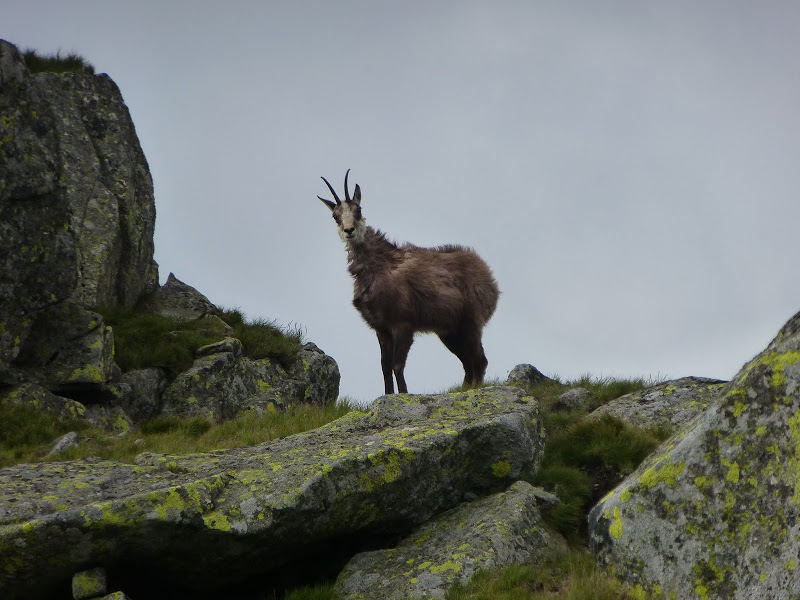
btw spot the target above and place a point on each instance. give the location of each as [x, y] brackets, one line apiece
[670, 405]
[497, 531]
[202, 522]
[77, 217]
[222, 384]
[714, 512]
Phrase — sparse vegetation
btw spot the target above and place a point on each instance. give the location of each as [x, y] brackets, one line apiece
[571, 575]
[27, 434]
[143, 339]
[582, 461]
[585, 459]
[56, 63]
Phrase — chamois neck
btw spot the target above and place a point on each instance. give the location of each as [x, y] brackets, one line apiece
[373, 255]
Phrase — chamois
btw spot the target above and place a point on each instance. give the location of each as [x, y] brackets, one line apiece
[402, 289]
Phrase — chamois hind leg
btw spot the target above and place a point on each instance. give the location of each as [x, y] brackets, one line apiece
[465, 343]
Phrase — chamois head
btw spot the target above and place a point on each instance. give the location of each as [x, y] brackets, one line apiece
[347, 214]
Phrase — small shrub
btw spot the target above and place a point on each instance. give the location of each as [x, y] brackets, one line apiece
[56, 63]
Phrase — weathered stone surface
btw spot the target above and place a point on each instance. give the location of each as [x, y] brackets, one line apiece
[76, 201]
[497, 531]
[37, 397]
[671, 404]
[65, 442]
[178, 300]
[526, 375]
[223, 384]
[68, 348]
[138, 393]
[572, 399]
[90, 583]
[111, 418]
[191, 519]
[714, 512]
[313, 377]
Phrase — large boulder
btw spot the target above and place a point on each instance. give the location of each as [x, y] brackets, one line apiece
[714, 512]
[497, 531]
[217, 519]
[77, 212]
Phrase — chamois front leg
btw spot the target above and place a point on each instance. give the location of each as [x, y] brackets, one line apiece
[394, 352]
[403, 338]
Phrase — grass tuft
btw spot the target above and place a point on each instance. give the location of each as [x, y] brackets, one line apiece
[569, 575]
[56, 63]
[27, 432]
[264, 339]
[317, 592]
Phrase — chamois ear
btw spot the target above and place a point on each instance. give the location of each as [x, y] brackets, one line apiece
[357, 195]
[328, 203]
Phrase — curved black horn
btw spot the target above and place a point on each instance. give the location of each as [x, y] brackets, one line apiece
[330, 187]
[346, 193]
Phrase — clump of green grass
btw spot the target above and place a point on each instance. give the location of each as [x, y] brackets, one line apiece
[316, 592]
[569, 575]
[27, 433]
[56, 63]
[584, 461]
[264, 339]
[144, 339]
[586, 458]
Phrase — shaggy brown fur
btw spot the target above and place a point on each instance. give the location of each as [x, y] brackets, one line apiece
[402, 289]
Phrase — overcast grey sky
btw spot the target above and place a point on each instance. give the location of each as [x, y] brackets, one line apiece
[629, 169]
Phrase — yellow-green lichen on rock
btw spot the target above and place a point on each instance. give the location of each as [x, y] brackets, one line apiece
[714, 512]
[453, 547]
[193, 517]
[77, 211]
